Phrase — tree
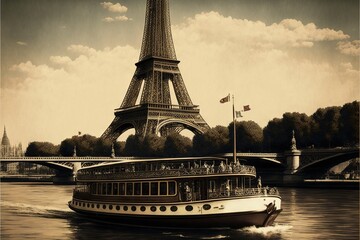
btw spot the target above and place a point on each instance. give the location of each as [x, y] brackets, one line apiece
[153, 145]
[177, 145]
[45, 149]
[67, 147]
[85, 146]
[133, 146]
[102, 147]
[301, 124]
[275, 137]
[278, 132]
[249, 136]
[349, 124]
[215, 140]
[325, 127]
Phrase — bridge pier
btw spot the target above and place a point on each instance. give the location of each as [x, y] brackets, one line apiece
[290, 178]
[67, 178]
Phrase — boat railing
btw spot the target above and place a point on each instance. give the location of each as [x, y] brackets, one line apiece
[208, 170]
[239, 192]
[81, 188]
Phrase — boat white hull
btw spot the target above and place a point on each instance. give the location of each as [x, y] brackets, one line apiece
[220, 213]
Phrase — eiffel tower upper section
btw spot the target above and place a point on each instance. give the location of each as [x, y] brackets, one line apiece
[156, 69]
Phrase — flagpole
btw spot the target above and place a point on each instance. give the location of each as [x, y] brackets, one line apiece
[234, 121]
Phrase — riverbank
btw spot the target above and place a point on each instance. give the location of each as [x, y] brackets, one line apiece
[331, 183]
[26, 178]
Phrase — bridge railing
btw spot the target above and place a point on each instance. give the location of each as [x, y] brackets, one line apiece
[239, 192]
[104, 174]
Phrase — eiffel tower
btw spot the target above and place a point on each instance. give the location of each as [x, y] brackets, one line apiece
[157, 67]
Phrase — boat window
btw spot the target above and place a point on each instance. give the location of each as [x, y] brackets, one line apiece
[206, 206]
[96, 188]
[103, 192]
[122, 189]
[109, 189]
[172, 190]
[115, 188]
[154, 188]
[93, 188]
[129, 189]
[145, 188]
[163, 188]
[137, 188]
[189, 208]
[212, 186]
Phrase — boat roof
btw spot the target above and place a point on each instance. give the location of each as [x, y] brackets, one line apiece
[140, 160]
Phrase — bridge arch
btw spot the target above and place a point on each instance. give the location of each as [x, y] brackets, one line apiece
[123, 128]
[63, 167]
[181, 124]
[320, 167]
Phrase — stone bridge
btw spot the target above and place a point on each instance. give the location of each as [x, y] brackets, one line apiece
[290, 166]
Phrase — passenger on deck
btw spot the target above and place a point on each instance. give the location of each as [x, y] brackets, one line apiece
[259, 185]
[221, 167]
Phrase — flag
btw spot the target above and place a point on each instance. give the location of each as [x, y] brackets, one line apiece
[238, 114]
[225, 99]
[247, 108]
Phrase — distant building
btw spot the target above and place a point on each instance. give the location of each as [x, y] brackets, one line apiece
[6, 150]
[12, 167]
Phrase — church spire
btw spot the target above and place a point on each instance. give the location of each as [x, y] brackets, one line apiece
[5, 140]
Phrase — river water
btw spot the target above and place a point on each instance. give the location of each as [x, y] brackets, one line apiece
[39, 211]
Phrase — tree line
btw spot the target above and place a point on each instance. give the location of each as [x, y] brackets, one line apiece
[326, 128]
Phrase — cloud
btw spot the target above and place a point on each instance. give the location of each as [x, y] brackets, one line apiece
[117, 7]
[81, 49]
[263, 65]
[61, 60]
[118, 18]
[309, 32]
[108, 19]
[256, 34]
[122, 18]
[59, 102]
[21, 43]
[349, 48]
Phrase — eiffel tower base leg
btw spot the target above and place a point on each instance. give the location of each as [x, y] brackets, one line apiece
[157, 119]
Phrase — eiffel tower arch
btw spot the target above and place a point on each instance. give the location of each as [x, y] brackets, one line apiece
[157, 67]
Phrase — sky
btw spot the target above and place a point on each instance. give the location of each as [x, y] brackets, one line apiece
[66, 64]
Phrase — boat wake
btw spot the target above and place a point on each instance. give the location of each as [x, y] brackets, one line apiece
[29, 209]
[215, 237]
[191, 235]
[266, 231]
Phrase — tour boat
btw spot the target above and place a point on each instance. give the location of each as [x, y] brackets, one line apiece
[201, 192]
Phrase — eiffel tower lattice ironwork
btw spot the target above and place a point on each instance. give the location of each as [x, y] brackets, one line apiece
[157, 67]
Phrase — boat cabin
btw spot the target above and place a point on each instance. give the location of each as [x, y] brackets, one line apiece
[166, 180]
